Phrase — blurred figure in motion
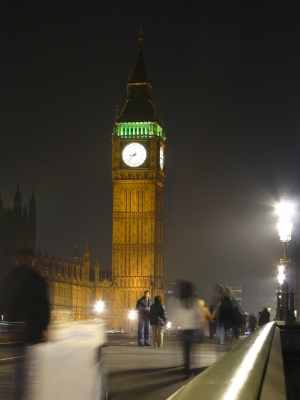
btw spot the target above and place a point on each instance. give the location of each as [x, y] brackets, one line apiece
[143, 307]
[224, 314]
[158, 319]
[237, 322]
[24, 299]
[188, 315]
[252, 323]
[205, 318]
[244, 316]
[263, 317]
[212, 323]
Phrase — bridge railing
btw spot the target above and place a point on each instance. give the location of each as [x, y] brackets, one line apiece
[252, 370]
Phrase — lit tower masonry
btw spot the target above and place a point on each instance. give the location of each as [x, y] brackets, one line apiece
[138, 148]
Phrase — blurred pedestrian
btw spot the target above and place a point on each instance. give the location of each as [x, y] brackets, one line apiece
[212, 323]
[244, 316]
[143, 307]
[205, 318]
[188, 315]
[252, 323]
[237, 322]
[24, 300]
[158, 319]
[224, 314]
[264, 317]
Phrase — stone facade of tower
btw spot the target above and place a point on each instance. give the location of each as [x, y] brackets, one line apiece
[138, 148]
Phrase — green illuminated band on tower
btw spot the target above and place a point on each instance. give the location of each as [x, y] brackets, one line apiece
[138, 130]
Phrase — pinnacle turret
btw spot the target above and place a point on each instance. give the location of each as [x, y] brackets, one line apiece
[18, 202]
[32, 202]
[77, 256]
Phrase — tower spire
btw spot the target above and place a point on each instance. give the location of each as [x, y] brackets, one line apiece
[141, 34]
[139, 105]
[139, 74]
[18, 200]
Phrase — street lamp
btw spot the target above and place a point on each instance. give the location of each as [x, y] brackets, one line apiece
[99, 307]
[285, 300]
[132, 318]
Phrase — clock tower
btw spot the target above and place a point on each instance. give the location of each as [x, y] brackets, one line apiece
[138, 149]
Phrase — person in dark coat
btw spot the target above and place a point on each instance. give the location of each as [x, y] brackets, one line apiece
[143, 307]
[158, 318]
[224, 314]
[245, 317]
[252, 323]
[212, 323]
[264, 317]
[237, 322]
[24, 302]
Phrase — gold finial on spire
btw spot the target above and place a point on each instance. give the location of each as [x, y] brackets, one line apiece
[117, 112]
[141, 34]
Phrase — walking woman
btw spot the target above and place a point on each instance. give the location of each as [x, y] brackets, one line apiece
[158, 318]
[189, 315]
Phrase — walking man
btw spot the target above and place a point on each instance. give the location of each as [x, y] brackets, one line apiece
[143, 308]
[24, 300]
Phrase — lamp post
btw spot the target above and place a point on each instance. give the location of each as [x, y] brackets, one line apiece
[132, 318]
[285, 300]
[99, 307]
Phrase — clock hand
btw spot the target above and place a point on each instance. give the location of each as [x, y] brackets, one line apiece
[131, 156]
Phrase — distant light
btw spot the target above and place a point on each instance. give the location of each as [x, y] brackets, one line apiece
[281, 274]
[281, 269]
[285, 230]
[99, 306]
[285, 211]
[280, 279]
[132, 315]
[169, 325]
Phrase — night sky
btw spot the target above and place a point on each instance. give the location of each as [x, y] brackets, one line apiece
[226, 80]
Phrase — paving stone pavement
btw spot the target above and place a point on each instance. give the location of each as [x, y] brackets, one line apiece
[134, 372]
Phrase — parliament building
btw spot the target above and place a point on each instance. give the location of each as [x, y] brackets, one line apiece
[138, 177]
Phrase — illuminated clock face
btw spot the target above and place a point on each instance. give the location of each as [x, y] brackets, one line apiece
[161, 157]
[134, 154]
